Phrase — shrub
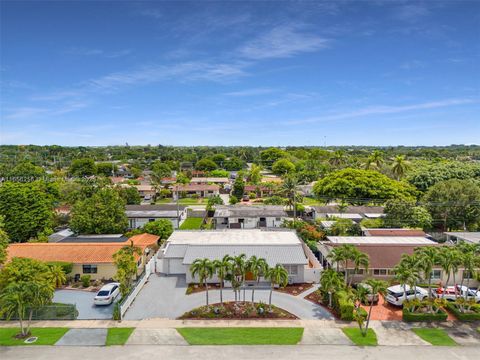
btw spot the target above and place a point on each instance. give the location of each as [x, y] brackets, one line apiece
[116, 311]
[252, 195]
[421, 316]
[67, 267]
[85, 279]
[343, 305]
[463, 316]
[233, 200]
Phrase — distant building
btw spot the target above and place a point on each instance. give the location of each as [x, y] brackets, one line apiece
[467, 236]
[201, 190]
[355, 213]
[139, 215]
[393, 232]
[248, 217]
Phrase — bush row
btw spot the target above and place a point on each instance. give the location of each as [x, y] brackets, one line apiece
[414, 316]
[464, 316]
[343, 305]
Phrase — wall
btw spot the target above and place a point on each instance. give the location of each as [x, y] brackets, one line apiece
[104, 271]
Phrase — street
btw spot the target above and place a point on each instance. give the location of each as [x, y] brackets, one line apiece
[305, 352]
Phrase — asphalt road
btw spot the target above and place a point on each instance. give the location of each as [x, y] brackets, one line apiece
[304, 352]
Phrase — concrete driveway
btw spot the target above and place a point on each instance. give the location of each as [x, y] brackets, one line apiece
[164, 297]
[84, 301]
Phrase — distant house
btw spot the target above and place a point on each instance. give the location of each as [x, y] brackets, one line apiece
[248, 217]
[467, 236]
[201, 190]
[168, 180]
[67, 236]
[139, 215]
[146, 191]
[259, 190]
[306, 190]
[210, 180]
[90, 258]
[393, 232]
[355, 213]
[276, 247]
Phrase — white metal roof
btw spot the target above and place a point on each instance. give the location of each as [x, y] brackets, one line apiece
[345, 216]
[473, 237]
[412, 240]
[374, 215]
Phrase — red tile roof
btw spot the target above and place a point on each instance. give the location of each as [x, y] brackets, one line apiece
[196, 187]
[394, 232]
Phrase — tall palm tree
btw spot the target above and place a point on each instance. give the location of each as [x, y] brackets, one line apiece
[377, 287]
[341, 255]
[405, 274]
[360, 260]
[277, 276]
[400, 166]
[223, 268]
[449, 259]
[258, 267]
[204, 269]
[338, 158]
[239, 271]
[330, 282]
[427, 259]
[289, 189]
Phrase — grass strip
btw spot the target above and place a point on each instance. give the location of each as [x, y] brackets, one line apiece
[355, 335]
[437, 337]
[46, 336]
[118, 336]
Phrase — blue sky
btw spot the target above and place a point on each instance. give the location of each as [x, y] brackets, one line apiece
[240, 73]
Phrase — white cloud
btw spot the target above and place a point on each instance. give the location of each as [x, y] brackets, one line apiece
[251, 92]
[80, 51]
[383, 109]
[282, 42]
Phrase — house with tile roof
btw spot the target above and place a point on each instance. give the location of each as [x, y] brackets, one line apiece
[88, 258]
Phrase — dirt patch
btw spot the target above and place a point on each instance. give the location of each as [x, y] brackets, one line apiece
[295, 289]
[237, 311]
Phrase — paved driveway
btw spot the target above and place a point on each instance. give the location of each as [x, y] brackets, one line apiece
[84, 302]
[164, 297]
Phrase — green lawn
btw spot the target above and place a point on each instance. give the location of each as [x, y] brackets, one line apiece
[312, 202]
[191, 224]
[191, 201]
[241, 336]
[46, 336]
[436, 337]
[118, 336]
[355, 335]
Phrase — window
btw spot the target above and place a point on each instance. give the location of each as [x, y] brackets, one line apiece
[380, 272]
[278, 219]
[89, 269]
[436, 275]
[151, 220]
[291, 269]
[467, 274]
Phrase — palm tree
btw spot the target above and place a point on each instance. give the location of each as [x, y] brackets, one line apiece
[204, 269]
[258, 267]
[338, 158]
[363, 295]
[405, 274]
[289, 189]
[277, 276]
[449, 259]
[223, 268]
[375, 159]
[400, 166]
[330, 282]
[342, 254]
[427, 259]
[58, 275]
[360, 260]
[239, 270]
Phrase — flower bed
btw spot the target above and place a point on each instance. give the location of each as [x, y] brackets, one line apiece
[471, 315]
[423, 316]
[239, 310]
[295, 289]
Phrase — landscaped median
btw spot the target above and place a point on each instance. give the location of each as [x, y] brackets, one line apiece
[241, 336]
[356, 336]
[118, 336]
[45, 336]
[438, 337]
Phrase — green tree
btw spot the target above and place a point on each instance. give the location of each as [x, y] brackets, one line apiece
[223, 269]
[83, 167]
[234, 164]
[331, 282]
[353, 185]
[233, 200]
[24, 270]
[405, 273]
[214, 200]
[126, 263]
[270, 155]
[454, 204]
[103, 213]
[58, 275]
[25, 170]
[254, 175]
[258, 267]
[159, 227]
[27, 209]
[204, 269]
[277, 275]
[219, 159]
[130, 194]
[363, 295]
[107, 169]
[238, 187]
[427, 259]
[238, 274]
[289, 190]
[4, 240]
[283, 167]
[338, 159]
[405, 213]
[205, 165]
[400, 166]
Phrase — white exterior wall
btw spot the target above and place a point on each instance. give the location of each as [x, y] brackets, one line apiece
[253, 222]
[138, 222]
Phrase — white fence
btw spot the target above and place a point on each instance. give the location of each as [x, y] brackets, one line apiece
[149, 268]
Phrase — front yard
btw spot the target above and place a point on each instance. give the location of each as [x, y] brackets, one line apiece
[242, 336]
[192, 224]
[46, 336]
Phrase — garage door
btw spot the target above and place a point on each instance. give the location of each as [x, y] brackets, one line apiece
[175, 266]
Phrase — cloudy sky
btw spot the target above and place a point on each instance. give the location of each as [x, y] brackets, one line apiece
[238, 72]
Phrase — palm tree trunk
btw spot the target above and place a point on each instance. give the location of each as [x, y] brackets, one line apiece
[270, 297]
[445, 287]
[221, 291]
[368, 318]
[206, 290]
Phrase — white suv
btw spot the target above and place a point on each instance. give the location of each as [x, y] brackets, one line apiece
[461, 291]
[396, 294]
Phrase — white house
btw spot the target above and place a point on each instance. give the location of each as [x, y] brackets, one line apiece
[139, 215]
[249, 217]
[467, 236]
[276, 246]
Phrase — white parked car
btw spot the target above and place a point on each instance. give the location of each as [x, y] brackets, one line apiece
[107, 294]
[396, 294]
[461, 291]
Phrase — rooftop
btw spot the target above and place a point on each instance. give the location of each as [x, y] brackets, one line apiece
[196, 187]
[387, 240]
[350, 209]
[249, 211]
[95, 238]
[153, 211]
[472, 237]
[209, 179]
[394, 232]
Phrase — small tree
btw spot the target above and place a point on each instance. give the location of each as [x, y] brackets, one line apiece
[159, 227]
[3, 242]
[214, 200]
[277, 276]
[58, 275]
[330, 282]
[204, 269]
[238, 187]
[125, 261]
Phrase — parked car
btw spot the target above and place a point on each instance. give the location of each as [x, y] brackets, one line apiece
[147, 197]
[107, 294]
[396, 294]
[370, 297]
[452, 292]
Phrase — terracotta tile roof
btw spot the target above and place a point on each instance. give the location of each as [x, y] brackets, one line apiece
[77, 253]
[394, 232]
[196, 187]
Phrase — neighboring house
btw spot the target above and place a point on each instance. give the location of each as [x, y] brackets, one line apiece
[146, 191]
[168, 180]
[60, 235]
[201, 190]
[96, 238]
[271, 179]
[467, 236]
[222, 181]
[88, 258]
[248, 217]
[276, 247]
[139, 215]
[355, 213]
[259, 190]
[384, 253]
[393, 232]
[306, 190]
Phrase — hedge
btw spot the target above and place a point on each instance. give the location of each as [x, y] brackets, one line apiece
[464, 316]
[343, 306]
[67, 267]
[413, 317]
